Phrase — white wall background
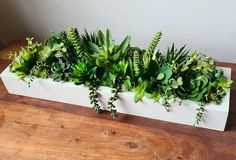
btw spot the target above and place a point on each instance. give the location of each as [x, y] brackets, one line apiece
[208, 26]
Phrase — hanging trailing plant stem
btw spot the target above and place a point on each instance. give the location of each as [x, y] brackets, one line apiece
[111, 106]
[200, 114]
[94, 97]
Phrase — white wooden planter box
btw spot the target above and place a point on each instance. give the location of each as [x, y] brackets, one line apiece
[215, 116]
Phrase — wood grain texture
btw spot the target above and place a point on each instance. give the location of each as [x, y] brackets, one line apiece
[32, 129]
[12, 47]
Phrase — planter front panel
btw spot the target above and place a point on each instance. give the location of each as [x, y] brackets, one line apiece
[215, 116]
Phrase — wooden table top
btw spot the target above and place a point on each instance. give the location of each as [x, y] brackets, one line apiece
[32, 129]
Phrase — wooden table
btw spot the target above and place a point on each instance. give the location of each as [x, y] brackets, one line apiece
[32, 129]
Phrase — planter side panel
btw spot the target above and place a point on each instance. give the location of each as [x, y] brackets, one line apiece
[215, 117]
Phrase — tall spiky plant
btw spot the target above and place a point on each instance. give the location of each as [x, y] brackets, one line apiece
[136, 63]
[150, 50]
[73, 37]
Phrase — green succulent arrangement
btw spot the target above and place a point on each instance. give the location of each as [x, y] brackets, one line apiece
[94, 59]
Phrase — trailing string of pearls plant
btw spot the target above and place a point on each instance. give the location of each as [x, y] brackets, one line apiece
[94, 59]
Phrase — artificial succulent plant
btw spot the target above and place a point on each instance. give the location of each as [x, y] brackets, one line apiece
[94, 59]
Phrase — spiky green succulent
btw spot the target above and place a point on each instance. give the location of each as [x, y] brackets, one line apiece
[136, 62]
[82, 71]
[150, 50]
[108, 52]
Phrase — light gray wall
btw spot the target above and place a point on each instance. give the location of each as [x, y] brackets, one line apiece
[208, 26]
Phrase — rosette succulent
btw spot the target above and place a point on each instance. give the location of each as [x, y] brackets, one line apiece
[194, 87]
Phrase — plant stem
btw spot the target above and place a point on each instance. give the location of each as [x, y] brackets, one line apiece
[114, 98]
[199, 115]
[94, 96]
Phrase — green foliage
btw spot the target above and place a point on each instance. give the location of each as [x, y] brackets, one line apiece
[94, 59]
[82, 71]
[94, 97]
[40, 70]
[60, 54]
[57, 71]
[55, 41]
[140, 90]
[165, 74]
[108, 52]
[136, 60]
[175, 56]
[150, 50]
[195, 86]
[219, 88]
[177, 83]
[199, 115]
[74, 39]
[26, 59]
[48, 51]
[111, 106]
[87, 38]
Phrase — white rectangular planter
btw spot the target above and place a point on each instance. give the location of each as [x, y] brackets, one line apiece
[215, 116]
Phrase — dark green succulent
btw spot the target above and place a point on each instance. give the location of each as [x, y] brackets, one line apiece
[195, 86]
[87, 38]
[82, 71]
[220, 86]
[59, 71]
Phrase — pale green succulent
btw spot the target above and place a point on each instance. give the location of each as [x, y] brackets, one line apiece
[176, 83]
[26, 59]
[165, 73]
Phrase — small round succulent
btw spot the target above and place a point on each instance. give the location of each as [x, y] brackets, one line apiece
[195, 86]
